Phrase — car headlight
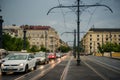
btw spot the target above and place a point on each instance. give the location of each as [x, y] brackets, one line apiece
[21, 64]
[2, 65]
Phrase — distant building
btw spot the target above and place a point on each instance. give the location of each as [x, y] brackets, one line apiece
[37, 35]
[98, 36]
[11, 30]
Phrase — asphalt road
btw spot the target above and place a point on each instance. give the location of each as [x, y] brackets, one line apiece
[107, 68]
[33, 75]
[100, 68]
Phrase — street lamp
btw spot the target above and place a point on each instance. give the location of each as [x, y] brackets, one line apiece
[78, 35]
[46, 40]
[1, 21]
[24, 39]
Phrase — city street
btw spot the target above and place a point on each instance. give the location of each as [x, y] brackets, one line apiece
[91, 68]
[60, 40]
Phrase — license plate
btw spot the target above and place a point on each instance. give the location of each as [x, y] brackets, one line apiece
[9, 68]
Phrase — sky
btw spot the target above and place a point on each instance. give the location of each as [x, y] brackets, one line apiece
[34, 12]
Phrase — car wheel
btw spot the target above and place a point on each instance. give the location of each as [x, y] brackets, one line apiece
[3, 73]
[47, 62]
[35, 67]
[26, 69]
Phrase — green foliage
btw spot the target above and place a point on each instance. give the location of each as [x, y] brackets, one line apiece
[43, 49]
[108, 47]
[64, 49]
[13, 43]
[33, 49]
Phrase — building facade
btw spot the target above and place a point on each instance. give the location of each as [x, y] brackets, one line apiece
[98, 36]
[37, 35]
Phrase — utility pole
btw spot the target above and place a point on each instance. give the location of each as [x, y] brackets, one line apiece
[46, 40]
[78, 30]
[74, 45]
[24, 39]
[1, 21]
[78, 23]
[110, 44]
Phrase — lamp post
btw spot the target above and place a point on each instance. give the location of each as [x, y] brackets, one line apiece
[74, 46]
[46, 40]
[1, 21]
[110, 44]
[78, 35]
[24, 39]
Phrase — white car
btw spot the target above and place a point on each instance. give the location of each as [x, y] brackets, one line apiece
[42, 58]
[19, 62]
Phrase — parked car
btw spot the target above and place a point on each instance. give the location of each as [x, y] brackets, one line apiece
[42, 58]
[3, 54]
[5, 58]
[52, 56]
[58, 55]
[19, 62]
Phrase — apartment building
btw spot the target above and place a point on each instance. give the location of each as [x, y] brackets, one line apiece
[98, 36]
[37, 35]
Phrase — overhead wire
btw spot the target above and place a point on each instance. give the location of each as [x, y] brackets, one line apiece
[62, 14]
[92, 14]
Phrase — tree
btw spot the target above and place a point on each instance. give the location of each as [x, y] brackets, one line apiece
[109, 47]
[64, 49]
[13, 43]
[33, 48]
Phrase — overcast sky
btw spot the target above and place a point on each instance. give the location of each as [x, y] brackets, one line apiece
[34, 12]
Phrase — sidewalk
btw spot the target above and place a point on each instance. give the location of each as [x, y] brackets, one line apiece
[81, 72]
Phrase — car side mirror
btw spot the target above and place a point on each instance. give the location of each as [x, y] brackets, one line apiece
[29, 58]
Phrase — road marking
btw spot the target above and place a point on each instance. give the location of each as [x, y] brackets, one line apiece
[64, 74]
[42, 73]
[103, 77]
[115, 69]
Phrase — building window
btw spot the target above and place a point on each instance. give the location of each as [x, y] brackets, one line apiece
[37, 43]
[90, 39]
[119, 35]
[90, 47]
[119, 39]
[97, 39]
[106, 39]
[90, 44]
[97, 35]
[90, 35]
[98, 43]
[107, 36]
[114, 35]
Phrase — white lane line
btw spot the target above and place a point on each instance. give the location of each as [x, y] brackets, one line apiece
[115, 69]
[64, 74]
[103, 77]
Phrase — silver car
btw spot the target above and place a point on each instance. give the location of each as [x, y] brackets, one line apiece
[42, 57]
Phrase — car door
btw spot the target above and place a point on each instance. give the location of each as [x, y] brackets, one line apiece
[31, 61]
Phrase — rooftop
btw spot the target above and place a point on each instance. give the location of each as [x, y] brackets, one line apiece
[105, 29]
[35, 27]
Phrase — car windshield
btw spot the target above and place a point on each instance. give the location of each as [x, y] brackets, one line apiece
[7, 56]
[39, 55]
[17, 57]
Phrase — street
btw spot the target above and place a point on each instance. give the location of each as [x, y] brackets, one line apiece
[108, 69]
[91, 68]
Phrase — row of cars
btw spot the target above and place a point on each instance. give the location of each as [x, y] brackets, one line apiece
[43, 58]
[23, 61]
